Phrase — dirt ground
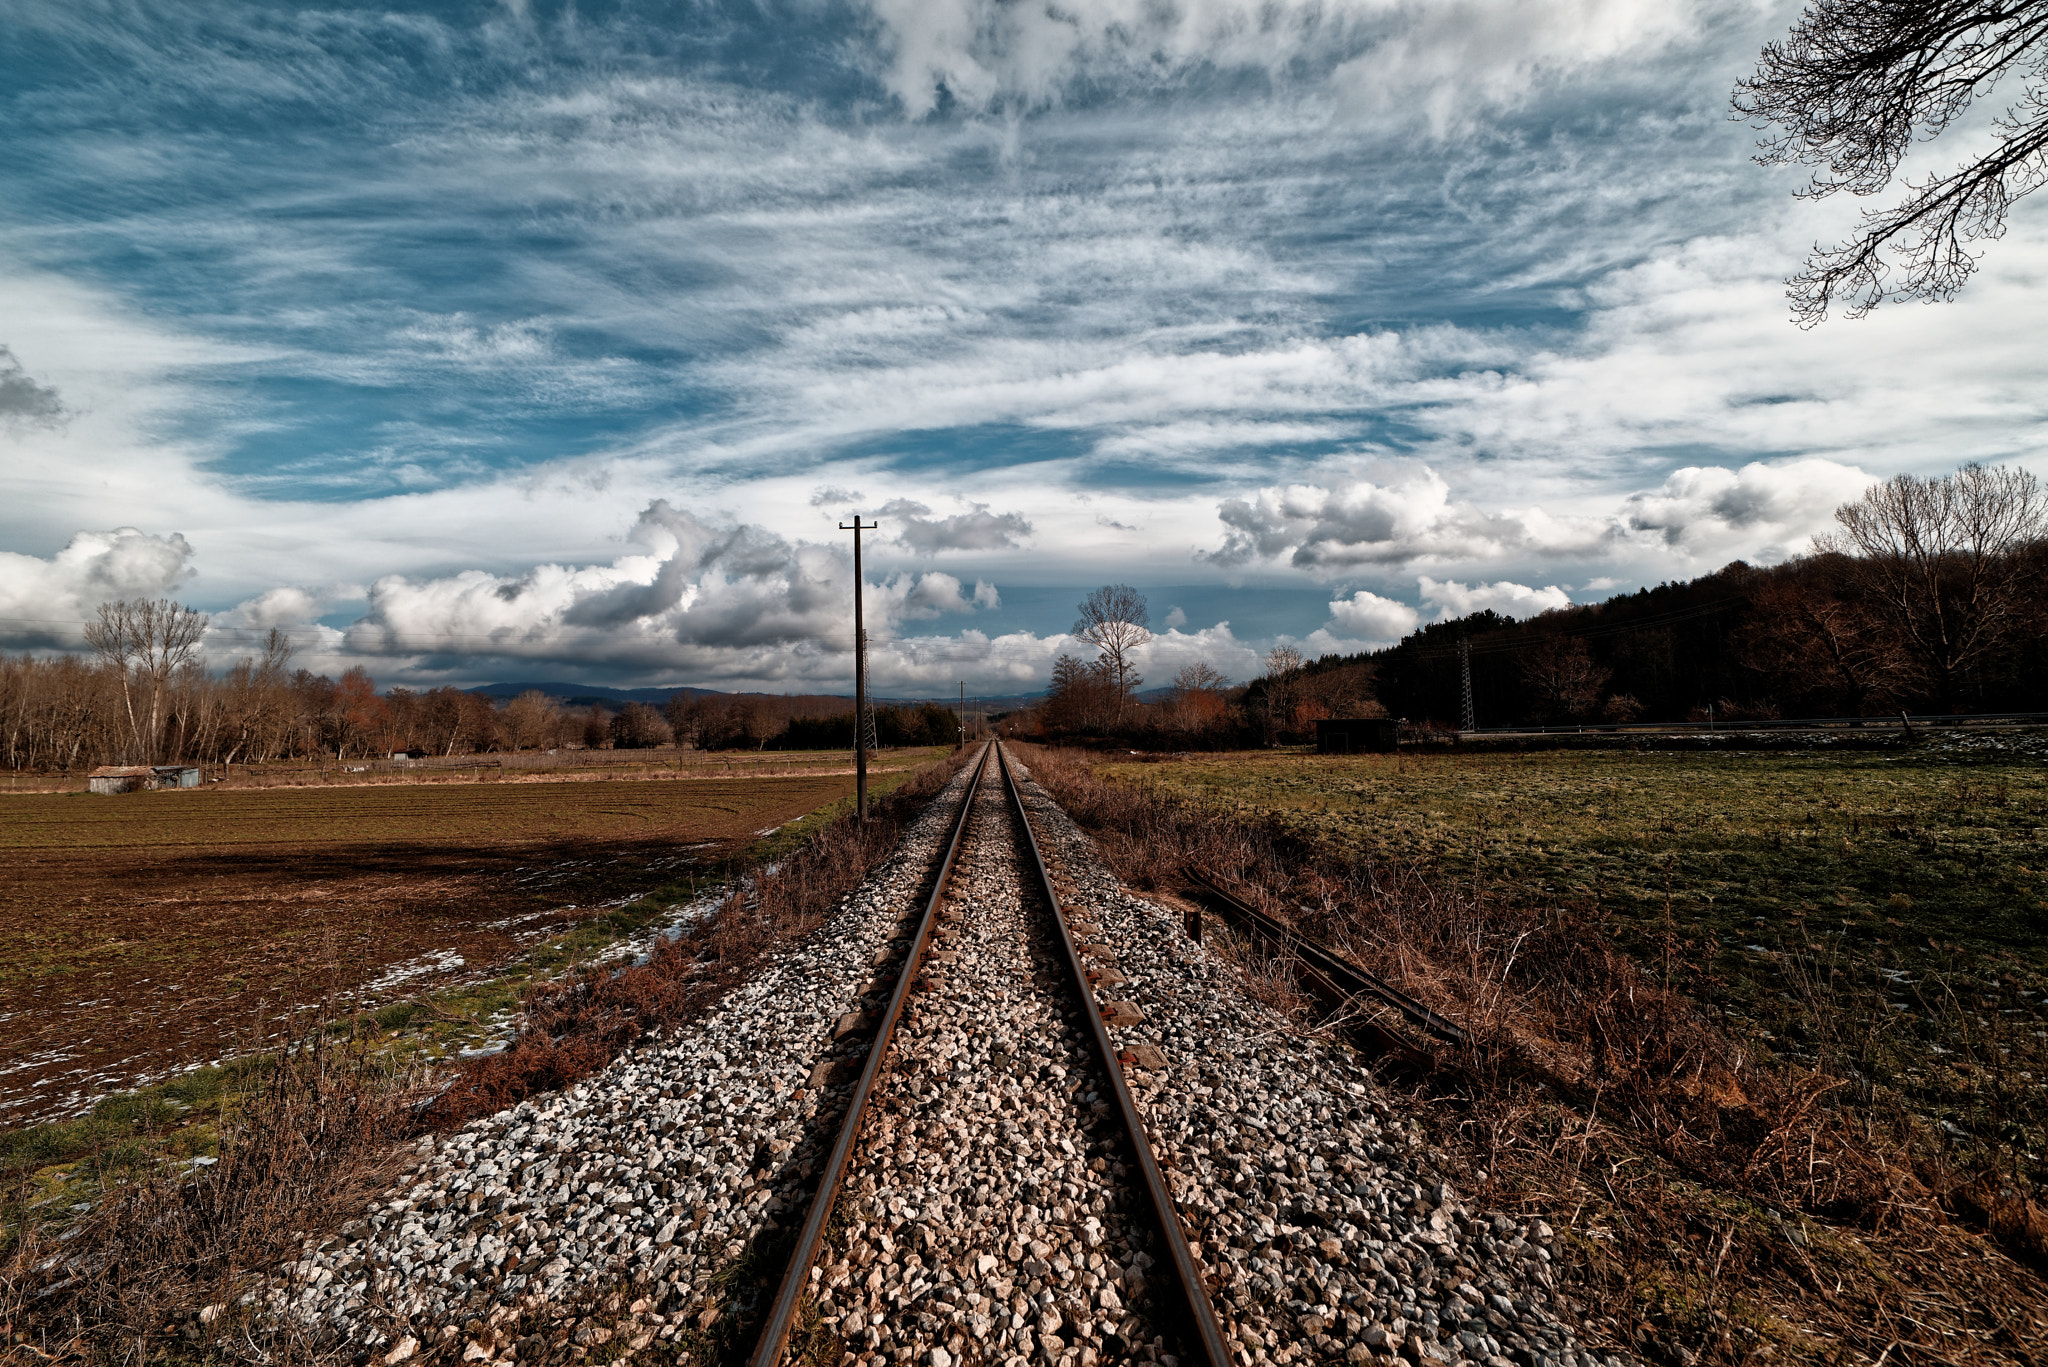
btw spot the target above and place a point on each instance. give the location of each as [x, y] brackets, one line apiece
[144, 933]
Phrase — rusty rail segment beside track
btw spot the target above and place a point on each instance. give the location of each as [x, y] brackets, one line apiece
[1204, 1335]
[796, 1279]
[1338, 975]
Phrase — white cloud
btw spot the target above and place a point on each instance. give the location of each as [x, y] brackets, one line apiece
[1160, 658]
[1446, 60]
[456, 338]
[1368, 616]
[977, 529]
[43, 602]
[1776, 509]
[287, 606]
[727, 602]
[1765, 511]
[1175, 618]
[1453, 599]
[1412, 517]
[919, 597]
[1449, 63]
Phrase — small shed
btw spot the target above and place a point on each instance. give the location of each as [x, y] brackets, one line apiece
[129, 778]
[1356, 735]
[120, 778]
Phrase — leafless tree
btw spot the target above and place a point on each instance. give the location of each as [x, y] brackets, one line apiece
[1818, 635]
[1949, 560]
[1853, 87]
[531, 719]
[146, 642]
[1199, 677]
[1113, 620]
[1564, 677]
[640, 727]
[1198, 704]
[1283, 682]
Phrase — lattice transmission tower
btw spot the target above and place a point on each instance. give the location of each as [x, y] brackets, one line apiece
[1467, 718]
[866, 705]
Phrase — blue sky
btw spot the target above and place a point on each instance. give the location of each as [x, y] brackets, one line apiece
[478, 341]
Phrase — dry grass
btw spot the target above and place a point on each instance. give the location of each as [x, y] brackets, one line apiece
[156, 1269]
[1725, 1208]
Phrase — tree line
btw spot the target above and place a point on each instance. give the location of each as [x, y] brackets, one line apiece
[145, 697]
[1929, 597]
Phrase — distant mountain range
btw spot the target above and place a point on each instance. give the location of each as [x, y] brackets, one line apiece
[586, 695]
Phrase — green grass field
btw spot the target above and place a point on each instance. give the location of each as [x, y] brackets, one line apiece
[1886, 910]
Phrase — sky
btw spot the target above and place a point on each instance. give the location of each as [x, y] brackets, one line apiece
[528, 340]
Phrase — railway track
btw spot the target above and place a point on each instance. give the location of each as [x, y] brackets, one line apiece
[1110, 1272]
[997, 1110]
[1333, 978]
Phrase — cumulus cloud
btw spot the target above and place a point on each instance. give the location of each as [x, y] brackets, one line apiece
[1453, 599]
[832, 493]
[1368, 616]
[1777, 506]
[43, 602]
[22, 398]
[720, 601]
[286, 606]
[1162, 656]
[1766, 511]
[932, 594]
[1412, 517]
[977, 529]
[1175, 617]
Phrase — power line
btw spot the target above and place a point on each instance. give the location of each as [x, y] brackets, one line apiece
[1498, 643]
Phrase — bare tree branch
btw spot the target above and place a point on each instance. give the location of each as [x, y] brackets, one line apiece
[1852, 88]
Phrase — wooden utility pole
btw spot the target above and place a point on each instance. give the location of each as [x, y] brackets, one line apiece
[860, 674]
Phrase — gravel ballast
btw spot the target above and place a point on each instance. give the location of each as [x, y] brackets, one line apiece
[986, 1216]
[989, 1213]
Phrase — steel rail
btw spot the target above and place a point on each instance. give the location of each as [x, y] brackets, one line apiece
[1342, 975]
[1933, 721]
[1204, 1334]
[796, 1278]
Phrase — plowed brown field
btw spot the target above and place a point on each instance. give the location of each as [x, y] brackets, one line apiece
[144, 933]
